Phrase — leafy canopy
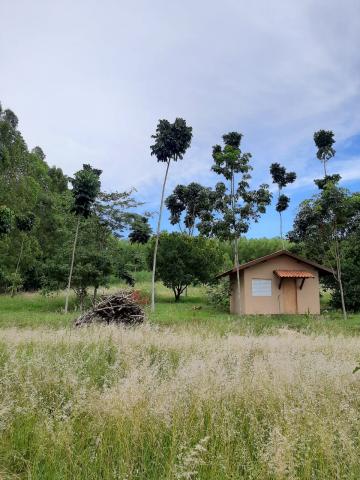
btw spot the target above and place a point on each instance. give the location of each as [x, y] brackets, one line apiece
[324, 141]
[6, 217]
[327, 227]
[191, 200]
[25, 223]
[233, 207]
[185, 260]
[140, 230]
[86, 187]
[171, 140]
[282, 178]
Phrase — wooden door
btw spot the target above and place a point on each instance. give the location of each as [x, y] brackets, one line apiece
[289, 294]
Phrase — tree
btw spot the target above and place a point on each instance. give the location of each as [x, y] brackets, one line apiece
[86, 187]
[191, 200]
[10, 117]
[39, 152]
[282, 178]
[350, 262]
[112, 209]
[58, 181]
[92, 268]
[234, 205]
[140, 230]
[6, 217]
[323, 223]
[171, 142]
[324, 141]
[24, 224]
[184, 260]
[322, 182]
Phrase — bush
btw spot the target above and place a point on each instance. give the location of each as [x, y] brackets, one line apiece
[218, 294]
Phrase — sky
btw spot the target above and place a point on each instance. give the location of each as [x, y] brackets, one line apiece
[89, 81]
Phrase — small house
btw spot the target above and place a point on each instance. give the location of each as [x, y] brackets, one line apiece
[279, 283]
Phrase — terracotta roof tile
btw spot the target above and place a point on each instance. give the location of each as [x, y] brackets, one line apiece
[293, 274]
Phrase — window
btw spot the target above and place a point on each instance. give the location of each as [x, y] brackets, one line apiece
[260, 288]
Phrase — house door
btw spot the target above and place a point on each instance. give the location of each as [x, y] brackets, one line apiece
[289, 294]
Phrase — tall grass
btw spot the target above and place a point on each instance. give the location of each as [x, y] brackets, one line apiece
[113, 403]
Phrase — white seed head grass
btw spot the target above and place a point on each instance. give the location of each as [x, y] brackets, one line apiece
[294, 389]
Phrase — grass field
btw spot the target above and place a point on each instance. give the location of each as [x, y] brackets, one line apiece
[192, 312]
[193, 394]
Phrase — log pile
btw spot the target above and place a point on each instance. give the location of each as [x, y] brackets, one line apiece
[117, 308]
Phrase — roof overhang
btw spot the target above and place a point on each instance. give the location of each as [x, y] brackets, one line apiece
[321, 268]
[293, 274]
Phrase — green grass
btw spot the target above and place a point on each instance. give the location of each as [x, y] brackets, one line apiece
[33, 310]
[194, 394]
[143, 404]
[193, 311]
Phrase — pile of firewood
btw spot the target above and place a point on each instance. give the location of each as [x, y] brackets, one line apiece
[117, 308]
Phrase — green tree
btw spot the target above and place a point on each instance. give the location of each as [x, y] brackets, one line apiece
[350, 262]
[114, 210]
[26, 185]
[323, 224]
[86, 187]
[140, 230]
[92, 269]
[10, 117]
[189, 202]
[234, 205]
[93, 266]
[171, 142]
[251, 248]
[282, 178]
[324, 141]
[184, 260]
[6, 217]
[131, 255]
[24, 224]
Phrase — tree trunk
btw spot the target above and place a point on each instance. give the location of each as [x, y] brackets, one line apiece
[236, 253]
[83, 295]
[17, 266]
[157, 240]
[342, 299]
[281, 232]
[339, 275]
[95, 294]
[325, 173]
[71, 266]
[281, 222]
[237, 273]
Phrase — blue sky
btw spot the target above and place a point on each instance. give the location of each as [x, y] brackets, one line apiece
[89, 81]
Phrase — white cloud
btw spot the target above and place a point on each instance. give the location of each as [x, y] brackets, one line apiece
[89, 81]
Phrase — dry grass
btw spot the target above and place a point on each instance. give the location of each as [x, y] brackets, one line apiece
[150, 403]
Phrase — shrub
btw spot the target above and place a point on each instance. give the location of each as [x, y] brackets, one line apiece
[218, 294]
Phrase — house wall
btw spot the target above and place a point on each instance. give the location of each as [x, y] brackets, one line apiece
[308, 298]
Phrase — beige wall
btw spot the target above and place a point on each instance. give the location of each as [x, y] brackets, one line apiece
[308, 298]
